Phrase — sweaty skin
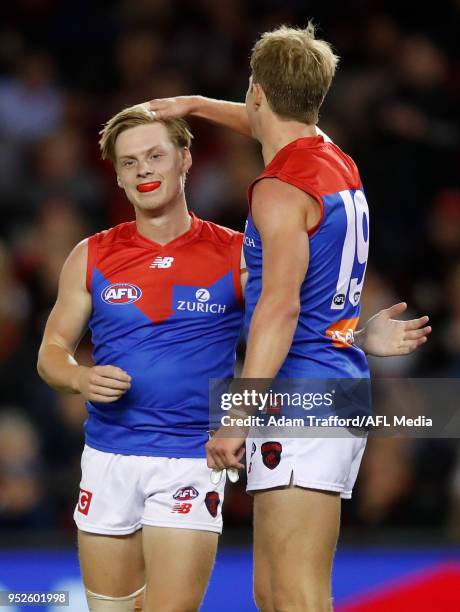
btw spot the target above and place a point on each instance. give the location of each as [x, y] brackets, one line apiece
[146, 187]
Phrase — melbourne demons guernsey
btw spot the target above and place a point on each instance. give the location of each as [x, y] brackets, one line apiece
[170, 316]
[330, 294]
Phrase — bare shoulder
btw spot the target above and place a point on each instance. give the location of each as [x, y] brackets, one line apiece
[277, 203]
[74, 268]
[280, 201]
[275, 191]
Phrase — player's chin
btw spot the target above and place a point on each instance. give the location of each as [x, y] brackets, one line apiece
[150, 205]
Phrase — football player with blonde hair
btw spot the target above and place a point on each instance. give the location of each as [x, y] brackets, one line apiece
[306, 247]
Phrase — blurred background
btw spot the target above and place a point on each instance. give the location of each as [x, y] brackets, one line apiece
[65, 68]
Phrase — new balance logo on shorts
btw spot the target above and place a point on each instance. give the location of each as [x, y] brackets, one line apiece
[182, 508]
[84, 501]
[162, 262]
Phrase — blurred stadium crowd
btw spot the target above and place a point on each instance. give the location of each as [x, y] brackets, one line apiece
[66, 67]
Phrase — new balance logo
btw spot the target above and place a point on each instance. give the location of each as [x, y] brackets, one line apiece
[162, 262]
[182, 508]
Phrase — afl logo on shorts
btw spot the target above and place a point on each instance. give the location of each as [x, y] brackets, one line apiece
[212, 501]
[84, 501]
[271, 454]
[121, 293]
[186, 493]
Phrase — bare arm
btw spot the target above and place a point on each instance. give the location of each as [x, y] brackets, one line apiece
[228, 114]
[280, 213]
[382, 335]
[66, 325]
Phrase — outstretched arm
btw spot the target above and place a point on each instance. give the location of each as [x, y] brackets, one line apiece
[383, 336]
[228, 114]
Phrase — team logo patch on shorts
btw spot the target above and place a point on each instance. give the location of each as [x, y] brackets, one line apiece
[271, 454]
[186, 493]
[84, 501]
[212, 501]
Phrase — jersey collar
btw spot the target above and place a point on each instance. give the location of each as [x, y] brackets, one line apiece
[307, 142]
[189, 235]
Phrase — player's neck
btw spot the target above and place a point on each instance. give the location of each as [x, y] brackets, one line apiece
[277, 134]
[165, 225]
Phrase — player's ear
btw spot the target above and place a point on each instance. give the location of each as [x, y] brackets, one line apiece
[186, 159]
[258, 94]
[118, 181]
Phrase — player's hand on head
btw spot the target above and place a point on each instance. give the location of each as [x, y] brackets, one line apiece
[171, 108]
[385, 336]
[103, 384]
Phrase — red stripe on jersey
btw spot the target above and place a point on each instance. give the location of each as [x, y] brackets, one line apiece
[315, 166]
[201, 256]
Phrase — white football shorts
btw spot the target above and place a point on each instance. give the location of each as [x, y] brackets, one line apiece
[326, 464]
[121, 493]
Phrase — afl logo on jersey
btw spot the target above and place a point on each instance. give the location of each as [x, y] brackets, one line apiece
[339, 299]
[121, 293]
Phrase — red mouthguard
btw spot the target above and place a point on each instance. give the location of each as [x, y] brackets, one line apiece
[145, 187]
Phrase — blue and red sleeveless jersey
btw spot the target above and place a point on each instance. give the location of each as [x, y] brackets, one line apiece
[170, 316]
[339, 245]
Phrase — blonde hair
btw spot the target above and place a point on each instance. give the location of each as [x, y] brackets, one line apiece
[295, 70]
[130, 117]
